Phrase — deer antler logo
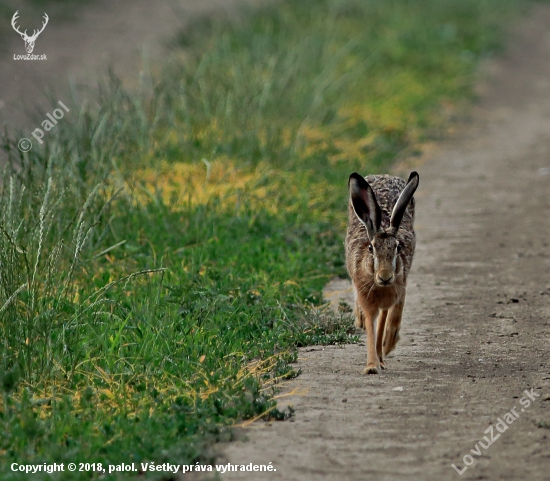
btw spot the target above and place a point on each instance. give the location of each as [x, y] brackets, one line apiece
[29, 41]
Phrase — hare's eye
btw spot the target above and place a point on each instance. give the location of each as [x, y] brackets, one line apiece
[398, 247]
[370, 247]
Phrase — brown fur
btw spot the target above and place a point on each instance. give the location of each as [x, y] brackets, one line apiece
[369, 270]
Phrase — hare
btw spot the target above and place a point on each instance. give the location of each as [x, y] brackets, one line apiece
[380, 245]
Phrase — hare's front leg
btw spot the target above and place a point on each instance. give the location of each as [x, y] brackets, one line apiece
[391, 335]
[380, 325]
[372, 359]
[359, 317]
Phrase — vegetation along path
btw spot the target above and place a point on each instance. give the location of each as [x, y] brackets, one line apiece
[475, 334]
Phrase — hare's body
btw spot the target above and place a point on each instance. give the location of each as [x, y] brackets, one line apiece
[380, 245]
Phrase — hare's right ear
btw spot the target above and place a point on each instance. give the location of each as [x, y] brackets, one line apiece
[364, 204]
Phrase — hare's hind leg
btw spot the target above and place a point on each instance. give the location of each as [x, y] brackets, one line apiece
[380, 325]
[393, 324]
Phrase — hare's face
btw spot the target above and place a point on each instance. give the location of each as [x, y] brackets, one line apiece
[384, 249]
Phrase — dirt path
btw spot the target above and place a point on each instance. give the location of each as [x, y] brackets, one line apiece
[475, 334]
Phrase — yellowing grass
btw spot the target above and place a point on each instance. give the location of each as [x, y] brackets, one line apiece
[182, 183]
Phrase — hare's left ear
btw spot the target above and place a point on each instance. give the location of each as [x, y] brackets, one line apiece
[403, 201]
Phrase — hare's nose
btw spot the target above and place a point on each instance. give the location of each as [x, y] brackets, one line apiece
[385, 277]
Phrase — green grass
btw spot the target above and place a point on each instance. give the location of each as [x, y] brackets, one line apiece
[163, 254]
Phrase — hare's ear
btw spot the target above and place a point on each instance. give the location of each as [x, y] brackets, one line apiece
[364, 204]
[403, 201]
